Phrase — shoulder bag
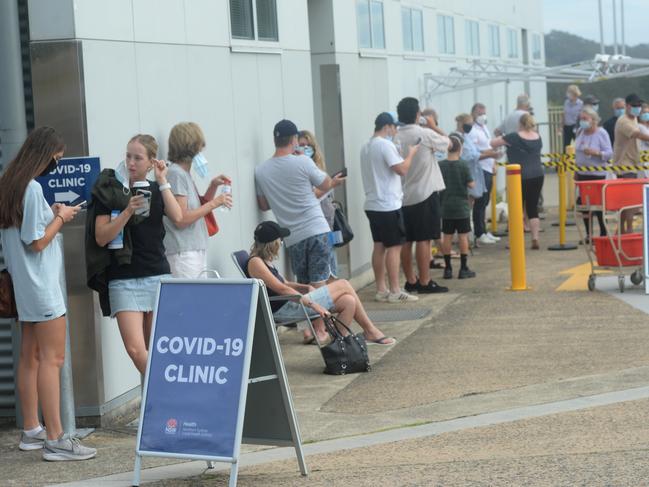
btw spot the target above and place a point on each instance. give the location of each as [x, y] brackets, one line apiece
[344, 354]
[341, 225]
[7, 298]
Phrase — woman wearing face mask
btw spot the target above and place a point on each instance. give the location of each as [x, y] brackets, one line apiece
[134, 216]
[28, 229]
[592, 148]
[186, 242]
[571, 108]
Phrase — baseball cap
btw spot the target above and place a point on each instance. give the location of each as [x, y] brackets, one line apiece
[385, 118]
[633, 100]
[285, 128]
[268, 231]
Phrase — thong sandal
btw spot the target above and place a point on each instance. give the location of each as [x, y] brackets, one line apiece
[308, 340]
[382, 341]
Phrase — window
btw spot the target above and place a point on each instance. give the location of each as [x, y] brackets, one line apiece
[369, 15]
[494, 41]
[413, 29]
[512, 43]
[254, 20]
[536, 47]
[472, 29]
[445, 34]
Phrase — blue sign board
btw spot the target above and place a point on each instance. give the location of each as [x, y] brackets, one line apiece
[72, 180]
[198, 368]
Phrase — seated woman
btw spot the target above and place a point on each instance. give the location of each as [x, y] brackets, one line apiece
[337, 297]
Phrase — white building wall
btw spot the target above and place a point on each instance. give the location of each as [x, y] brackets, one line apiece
[374, 80]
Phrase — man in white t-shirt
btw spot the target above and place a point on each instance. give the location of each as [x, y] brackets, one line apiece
[285, 183]
[421, 187]
[381, 168]
[481, 138]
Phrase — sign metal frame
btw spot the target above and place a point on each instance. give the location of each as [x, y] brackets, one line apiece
[260, 314]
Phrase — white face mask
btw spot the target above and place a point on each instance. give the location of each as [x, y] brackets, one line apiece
[199, 163]
[482, 119]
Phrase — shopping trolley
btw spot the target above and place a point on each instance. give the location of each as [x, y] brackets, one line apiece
[615, 251]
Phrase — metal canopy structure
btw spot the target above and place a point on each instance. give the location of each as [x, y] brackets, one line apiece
[483, 73]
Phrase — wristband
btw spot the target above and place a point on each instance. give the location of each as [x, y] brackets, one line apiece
[165, 186]
[62, 220]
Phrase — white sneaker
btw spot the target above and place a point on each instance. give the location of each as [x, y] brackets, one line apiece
[484, 239]
[492, 236]
[402, 297]
[34, 442]
[382, 296]
[66, 448]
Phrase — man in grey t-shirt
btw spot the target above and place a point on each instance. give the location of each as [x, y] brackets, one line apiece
[510, 124]
[285, 184]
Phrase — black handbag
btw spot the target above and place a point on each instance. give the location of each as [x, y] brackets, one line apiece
[344, 354]
[342, 225]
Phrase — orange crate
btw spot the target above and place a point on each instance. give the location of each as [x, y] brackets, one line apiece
[631, 245]
[619, 192]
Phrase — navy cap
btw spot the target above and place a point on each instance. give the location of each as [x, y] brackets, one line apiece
[633, 100]
[383, 119]
[268, 231]
[285, 128]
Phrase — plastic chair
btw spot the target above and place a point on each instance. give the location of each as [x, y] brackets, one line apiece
[240, 259]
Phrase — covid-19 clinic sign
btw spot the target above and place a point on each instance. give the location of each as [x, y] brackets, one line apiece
[198, 352]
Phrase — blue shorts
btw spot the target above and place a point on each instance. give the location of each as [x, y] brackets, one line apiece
[293, 311]
[137, 294]
[311, 259]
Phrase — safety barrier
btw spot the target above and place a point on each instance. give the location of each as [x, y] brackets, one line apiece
[515, 224]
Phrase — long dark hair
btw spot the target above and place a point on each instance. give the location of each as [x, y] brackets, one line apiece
[33, 158]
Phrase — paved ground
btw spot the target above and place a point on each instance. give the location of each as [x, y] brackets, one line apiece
[482, 349]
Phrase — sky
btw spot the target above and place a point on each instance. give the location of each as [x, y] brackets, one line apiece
[581, 17]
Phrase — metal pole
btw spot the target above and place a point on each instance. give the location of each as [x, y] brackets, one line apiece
[562, 245]
[622, 27]
[601, 29]
[615, 49]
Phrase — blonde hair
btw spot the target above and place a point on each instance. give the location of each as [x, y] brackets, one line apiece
[463, 118]
[148, 142]
[186, 139]
[574, 89]
[265, 251]
[318, 156]
[588, 110]
[527, 122]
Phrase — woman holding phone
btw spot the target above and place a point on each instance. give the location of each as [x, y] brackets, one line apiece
[28, 229]
[133, 282]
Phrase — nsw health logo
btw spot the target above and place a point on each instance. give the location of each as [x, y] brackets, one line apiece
[171, 427]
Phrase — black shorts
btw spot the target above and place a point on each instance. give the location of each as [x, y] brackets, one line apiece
[423, 220]
[459, 225]
[387, 227]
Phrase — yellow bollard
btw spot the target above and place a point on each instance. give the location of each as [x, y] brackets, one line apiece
[494, 213]
[515, 223]
[562, 245]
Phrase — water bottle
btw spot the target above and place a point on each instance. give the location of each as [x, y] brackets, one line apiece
[118, 241]
[225, 189]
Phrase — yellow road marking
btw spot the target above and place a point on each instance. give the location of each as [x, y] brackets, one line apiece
[578, 280]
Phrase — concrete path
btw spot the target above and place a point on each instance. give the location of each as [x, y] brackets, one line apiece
[482, 353]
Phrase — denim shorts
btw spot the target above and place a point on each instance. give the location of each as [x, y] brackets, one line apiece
[137, 294]
[311, 259]
[293, 311]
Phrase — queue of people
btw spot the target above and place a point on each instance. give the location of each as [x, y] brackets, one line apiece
[148, 221]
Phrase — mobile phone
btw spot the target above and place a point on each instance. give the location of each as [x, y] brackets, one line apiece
[418, 141]
[144, 192]
[342, 173]
[83, 204]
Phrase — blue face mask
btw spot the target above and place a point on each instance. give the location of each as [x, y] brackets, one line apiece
[596, 107]
[584, 124]
[308, 151]
[199, 163]
[644, 117]
[619, 112]
[635, 111]
[390, 138]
